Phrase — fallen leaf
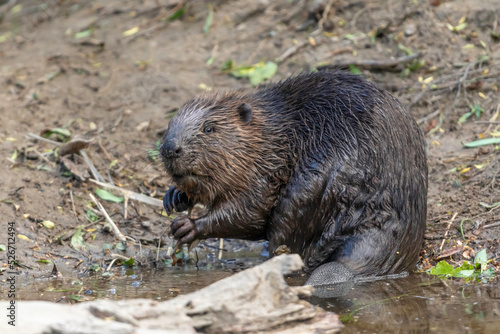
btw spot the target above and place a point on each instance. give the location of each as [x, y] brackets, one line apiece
[449, 252]
[23, 237]
[482, 142]
[77, 240]
[131, 31]
[48, 224]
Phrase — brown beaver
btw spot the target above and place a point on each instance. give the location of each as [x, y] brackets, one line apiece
[325, 163]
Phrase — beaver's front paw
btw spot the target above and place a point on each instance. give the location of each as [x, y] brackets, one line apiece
[184, 230]
[176, 200]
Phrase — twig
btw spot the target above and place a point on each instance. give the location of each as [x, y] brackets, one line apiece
[372, 64]
[72, 203]
[111, 264]
[104, 151]
[325, 14]
[491, 225]
[428, 117]
[91, 166]
[117, 122]
[6, 7]
[132, 195]
[447, 229]
[461, 82]
[487, 122]
[44, 158]
[290, 52]
[494, 118]
[125, 205]
[221, 246]
[117, 232]
[40, 138]
[158, 249]
[119, 256]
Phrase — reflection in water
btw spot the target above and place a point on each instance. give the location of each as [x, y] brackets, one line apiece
[414, 304]
[417, 304]
[128, 283]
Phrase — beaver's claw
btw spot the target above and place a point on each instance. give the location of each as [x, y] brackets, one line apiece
[176, 200]
[184, 230]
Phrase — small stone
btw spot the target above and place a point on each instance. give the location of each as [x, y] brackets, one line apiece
[410, 29]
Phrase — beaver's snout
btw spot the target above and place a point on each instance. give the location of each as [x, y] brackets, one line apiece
[171, 149]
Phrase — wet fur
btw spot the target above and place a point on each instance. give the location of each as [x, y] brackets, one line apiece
[327, 164]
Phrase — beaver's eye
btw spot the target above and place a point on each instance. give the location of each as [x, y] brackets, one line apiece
[208, 129]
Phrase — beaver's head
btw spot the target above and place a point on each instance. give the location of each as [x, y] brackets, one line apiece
[209, 148]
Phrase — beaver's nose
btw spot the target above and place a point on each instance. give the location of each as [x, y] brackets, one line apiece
[170, 149]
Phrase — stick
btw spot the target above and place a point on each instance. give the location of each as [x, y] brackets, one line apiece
[104, 150]
[491, 225]
[117, 232]
[447, 229]
[373, 64]
[221, 245]
[72, 203]
[428, 117]
[44, 158]
[40, 138]
[290, 52]
[89, 163]
[325, 14]
[111, 264]
[132, 195]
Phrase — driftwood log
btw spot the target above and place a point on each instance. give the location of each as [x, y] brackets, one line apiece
[257, 300]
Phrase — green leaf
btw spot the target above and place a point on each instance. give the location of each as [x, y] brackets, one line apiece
[442, 268]
[75, 297]
[482, 142]
[153, 154]
[262, 73]
[107, 196]
[227, 66]
[77, 240]
[129, 263]
[43, 261]
[489, 206]
[481, 259]
[95, 267]
[64, 134]
[210, 60]
[465, 266]
[91, 216]
[13, 157]
[488, 272]
[465, 117]
[120, 246]
[465, 273]
[3, 248]
[107, 246]
[178, 14]
[477, 109]
[242, 71]
[405, 49]
[354, 69]
[83, 34]
[208, 21]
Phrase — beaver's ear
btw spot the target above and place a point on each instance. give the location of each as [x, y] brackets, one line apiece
[245, 112]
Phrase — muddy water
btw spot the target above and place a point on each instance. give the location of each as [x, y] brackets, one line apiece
[418, 304]
[414, 304]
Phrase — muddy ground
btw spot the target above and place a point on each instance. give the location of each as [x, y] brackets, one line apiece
[114, 72]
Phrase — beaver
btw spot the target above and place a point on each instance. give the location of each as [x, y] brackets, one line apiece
[325, 163]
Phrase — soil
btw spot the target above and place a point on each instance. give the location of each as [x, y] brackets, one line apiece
[114, 72]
